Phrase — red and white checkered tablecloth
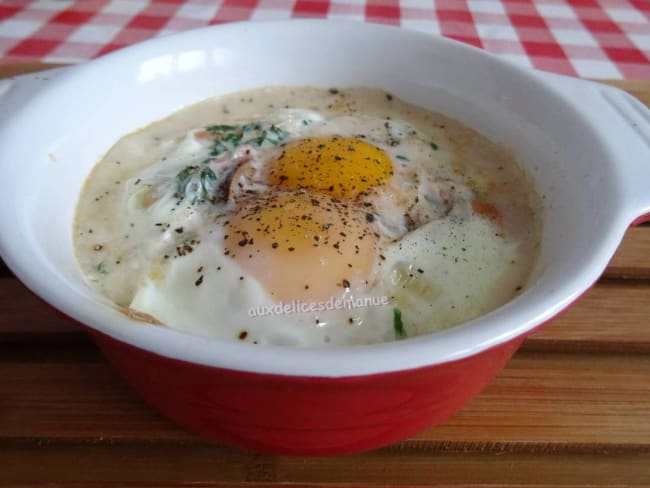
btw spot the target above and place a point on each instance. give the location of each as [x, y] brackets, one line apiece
[586, 38]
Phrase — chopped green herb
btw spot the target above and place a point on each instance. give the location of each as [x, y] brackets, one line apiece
[221, 128]
[252, 126]
[101, 268]
[258, 141]
[218, 148]
[207, 177]
[197, 183]
[230, 137]
[398, 325]
[434, 146]
[403, 158]
[276, 135]
[276, 130]
[186, 173]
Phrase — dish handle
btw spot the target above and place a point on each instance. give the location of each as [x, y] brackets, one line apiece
[635, 136]
[625, 123]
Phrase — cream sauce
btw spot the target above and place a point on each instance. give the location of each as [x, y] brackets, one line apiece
[458, 224]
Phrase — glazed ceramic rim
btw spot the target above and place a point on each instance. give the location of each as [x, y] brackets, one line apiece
[498, 327]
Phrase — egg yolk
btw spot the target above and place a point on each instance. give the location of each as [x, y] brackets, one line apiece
[302, 246]
[343, 167]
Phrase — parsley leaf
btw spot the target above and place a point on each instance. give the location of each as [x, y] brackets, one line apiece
[230, 137]
[197, 183]
[398, 325]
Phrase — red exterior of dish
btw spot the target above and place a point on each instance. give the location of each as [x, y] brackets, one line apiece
[641, 220]
[304, 415]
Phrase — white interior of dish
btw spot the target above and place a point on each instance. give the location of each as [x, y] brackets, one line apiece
[63, 130]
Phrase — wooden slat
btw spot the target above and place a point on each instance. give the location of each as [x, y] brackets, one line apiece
[639, 88]
[538, 400]
[613, 316]
[23, 316]
[632, 260]
[65, 400]
[7, 71]
[560, 399]
[403, 465]
[291, 484]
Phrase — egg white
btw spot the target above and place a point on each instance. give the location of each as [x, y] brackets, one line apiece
[208, 294]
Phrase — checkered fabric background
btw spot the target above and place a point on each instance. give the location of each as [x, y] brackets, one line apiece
[586, 38]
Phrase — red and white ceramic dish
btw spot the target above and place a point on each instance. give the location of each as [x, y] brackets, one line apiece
[586, 145]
